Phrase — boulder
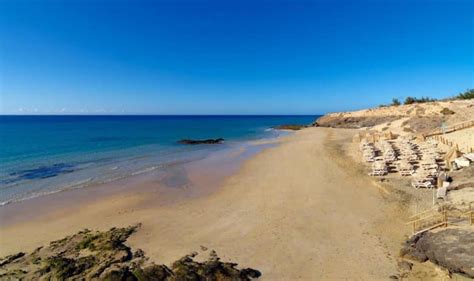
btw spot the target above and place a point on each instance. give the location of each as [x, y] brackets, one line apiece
[451, 248]
[291, 127]
[206, 141]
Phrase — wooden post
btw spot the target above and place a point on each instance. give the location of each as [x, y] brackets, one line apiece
[445, 217]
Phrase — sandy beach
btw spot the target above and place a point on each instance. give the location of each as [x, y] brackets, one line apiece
[301, 210]
[234, 141]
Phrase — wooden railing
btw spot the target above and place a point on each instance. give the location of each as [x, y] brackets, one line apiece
[428, 220]
[434, 218]
[450, 129]
[452, 144]
[438, 135]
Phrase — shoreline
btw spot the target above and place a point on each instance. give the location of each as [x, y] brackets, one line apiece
[173, 182]
[293, 211]
[78, 157]
[180, 160]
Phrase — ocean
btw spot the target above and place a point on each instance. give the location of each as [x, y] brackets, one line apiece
[41, 155]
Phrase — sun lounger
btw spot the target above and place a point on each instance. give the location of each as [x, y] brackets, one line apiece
[407, 173]
[469, 156]
[462, 162]
[419, 184]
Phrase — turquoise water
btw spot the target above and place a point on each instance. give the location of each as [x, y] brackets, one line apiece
[46, 154]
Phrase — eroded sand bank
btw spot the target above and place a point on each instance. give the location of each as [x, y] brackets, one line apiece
[300, 210]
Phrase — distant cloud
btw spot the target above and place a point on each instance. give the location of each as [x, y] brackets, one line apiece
[27, 110]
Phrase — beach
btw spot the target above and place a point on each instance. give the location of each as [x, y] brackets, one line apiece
[299, 210]
[233, 141]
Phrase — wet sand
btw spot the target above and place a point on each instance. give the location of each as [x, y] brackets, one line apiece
[164, 186]
[299, 211]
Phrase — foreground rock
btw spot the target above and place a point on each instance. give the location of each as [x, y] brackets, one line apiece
[208, 141]
[104, 256]
[451, 248]
[292, 127]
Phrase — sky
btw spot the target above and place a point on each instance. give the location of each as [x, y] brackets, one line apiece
[230, 57]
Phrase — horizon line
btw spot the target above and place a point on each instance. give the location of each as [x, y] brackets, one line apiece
[145, 114]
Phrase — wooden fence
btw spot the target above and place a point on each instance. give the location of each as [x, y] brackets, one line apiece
[434, 218]
[452, 144]
[450, 129]
[438, 135]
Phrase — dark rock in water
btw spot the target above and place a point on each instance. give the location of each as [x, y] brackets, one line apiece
[89, 255]
[208, 141]
[41, 172]
[292, 127]
[450, 248]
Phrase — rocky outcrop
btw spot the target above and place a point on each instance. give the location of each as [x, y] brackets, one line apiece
[423, 124]
[343, 121]
[418, 117]
[451, 248]
[207, 141]
[91, 255]
[292, 127]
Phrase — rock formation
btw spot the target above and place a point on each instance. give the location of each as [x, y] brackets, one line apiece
[97, 255]
[451, 248]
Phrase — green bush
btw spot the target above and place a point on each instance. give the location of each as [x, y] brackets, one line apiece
[395, 102]
[409, 100]
[412, 100]
[467, 95]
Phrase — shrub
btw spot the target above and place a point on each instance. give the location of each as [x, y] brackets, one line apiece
[409, 100]
[395, 102]
[467, 95]
[412, 100]
[447, 111]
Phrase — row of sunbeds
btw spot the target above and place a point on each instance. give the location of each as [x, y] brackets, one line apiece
[403, 154]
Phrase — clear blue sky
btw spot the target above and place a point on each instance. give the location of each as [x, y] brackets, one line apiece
[230, 57]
